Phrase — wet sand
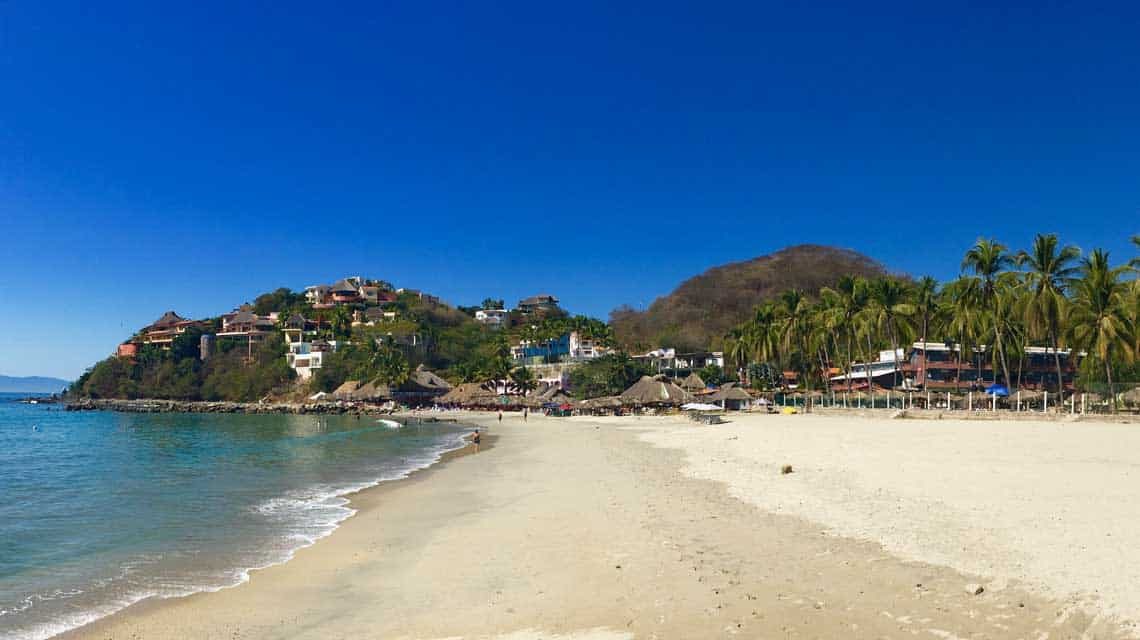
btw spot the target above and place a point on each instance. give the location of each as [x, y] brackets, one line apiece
[581, 529]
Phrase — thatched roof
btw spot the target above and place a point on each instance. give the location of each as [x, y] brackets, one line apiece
[1131, 397]
[473, 394]
[654, 391]
[604, 402]
[168, 319]
[345, 391]
[729, 392]
[372, 391]
[423, 380]
[693, 383]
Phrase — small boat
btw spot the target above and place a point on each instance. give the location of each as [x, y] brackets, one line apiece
[391, 424]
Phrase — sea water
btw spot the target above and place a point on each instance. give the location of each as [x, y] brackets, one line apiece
[99, 510]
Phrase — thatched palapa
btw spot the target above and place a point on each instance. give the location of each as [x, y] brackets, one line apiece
[654, 392]
[345, 391]
[693, 383]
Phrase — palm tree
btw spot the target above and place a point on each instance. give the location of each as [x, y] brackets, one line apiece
[1049, 273]
[961, 304]
[890, 302]
[927, 311]
[1135, 262]
[988, 259]
[1099, 318]
[388, 364]
[524, 380]
[793, 311]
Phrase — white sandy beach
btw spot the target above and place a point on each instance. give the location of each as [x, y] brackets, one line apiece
[611, 528]
[1047, 504]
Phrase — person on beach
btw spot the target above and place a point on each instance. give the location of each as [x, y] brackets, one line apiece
[500, 416]
[524, 414]
[475, 440]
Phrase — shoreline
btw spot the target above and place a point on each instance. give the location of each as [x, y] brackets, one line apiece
[153, 602]
[579, 528]
[203, 406]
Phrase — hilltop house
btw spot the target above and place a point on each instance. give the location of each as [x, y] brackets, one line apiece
[426, 297]
[540, 303]
[163, 331]
[583, 348]
[350, 290]
[661, 360]
[307, 357]
[493, 318]
[372, 316]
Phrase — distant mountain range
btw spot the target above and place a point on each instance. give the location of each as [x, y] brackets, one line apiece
[701, 309]
[31, 384]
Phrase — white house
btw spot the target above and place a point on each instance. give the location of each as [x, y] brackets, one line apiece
[491, 317]
[306, 357]
[586, 348]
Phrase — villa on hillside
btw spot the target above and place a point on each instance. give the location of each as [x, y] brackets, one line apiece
[662, 360]
[426, 297]
[493, 318]
[163, 331]
[372, 316]
[540, 303]
[307, 357]
[569, 347]
[353, 290]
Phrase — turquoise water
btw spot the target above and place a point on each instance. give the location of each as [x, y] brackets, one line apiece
[99, 510]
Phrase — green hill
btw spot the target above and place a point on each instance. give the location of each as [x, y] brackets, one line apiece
[703, 308]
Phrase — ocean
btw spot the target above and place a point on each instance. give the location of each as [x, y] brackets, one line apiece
[99, 510]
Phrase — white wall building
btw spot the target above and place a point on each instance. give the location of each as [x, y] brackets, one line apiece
[491, 317]
[306, 357]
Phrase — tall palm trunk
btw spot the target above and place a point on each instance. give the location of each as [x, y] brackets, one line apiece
[1057, 359]
[1111, 390]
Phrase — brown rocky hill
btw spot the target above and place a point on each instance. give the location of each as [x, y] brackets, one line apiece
[703, 308]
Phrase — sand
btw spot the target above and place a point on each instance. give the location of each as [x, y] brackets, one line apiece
[608, 529]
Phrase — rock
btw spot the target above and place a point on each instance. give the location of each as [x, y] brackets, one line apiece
[975, 589]
[786, 469]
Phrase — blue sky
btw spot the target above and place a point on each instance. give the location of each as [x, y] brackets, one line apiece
[188, 157]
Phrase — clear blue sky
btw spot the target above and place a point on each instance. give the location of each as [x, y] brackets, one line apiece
[188, 157]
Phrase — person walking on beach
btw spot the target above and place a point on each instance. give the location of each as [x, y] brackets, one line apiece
[475, 440]
[524, 414]
[500, 416]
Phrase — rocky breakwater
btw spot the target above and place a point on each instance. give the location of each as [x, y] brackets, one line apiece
[184, 406]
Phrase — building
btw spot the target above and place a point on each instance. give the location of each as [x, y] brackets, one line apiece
[426, 297]
[940, 366]
[584, 348]
[319, 295]
[541, 351]
[372, 316]
[246, 324]
[662, 360]
[541, 303]
[164, 330]
[881, 373]
[346, 291]
[307, 357]
[493, 318]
